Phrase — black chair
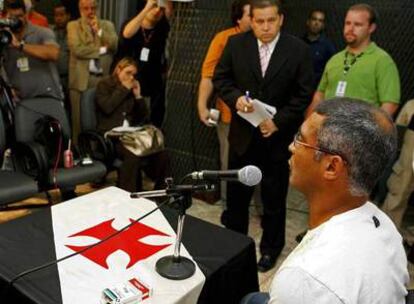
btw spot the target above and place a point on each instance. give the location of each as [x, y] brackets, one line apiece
[91, 141]
[14, 186]
[27, 114]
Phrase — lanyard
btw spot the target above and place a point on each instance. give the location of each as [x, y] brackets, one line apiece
[349, 63]
[147, 38]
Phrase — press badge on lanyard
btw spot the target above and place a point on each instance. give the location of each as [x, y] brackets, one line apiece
[144, 54]
[23, 64]
[340, 89]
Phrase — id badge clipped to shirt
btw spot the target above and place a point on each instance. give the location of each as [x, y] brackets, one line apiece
[144, 54]
[340, 89]
[23, 64]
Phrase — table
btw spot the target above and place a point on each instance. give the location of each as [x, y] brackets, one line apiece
[227, 259]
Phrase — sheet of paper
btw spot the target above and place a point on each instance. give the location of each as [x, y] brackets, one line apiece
[261, 112]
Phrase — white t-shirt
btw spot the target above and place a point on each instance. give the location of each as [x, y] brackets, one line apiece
[355, 257]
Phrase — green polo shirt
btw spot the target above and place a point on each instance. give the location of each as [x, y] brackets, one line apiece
[373, 76]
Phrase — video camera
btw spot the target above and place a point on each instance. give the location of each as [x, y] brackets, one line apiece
[6, 24]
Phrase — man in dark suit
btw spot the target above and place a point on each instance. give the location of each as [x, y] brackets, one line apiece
[275, 68]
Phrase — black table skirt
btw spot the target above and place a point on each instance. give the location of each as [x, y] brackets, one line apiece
[227, 259]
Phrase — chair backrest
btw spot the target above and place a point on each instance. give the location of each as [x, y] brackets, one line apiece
[88, 110]
[28, 111]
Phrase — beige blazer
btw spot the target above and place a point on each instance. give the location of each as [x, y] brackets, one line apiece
[84, 46]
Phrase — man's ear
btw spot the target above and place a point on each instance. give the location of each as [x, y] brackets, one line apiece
[282, 18]
[334, 167]
[372, 27]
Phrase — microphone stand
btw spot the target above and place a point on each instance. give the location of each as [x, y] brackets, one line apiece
[176, 267]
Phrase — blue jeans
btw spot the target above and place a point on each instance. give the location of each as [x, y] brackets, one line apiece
[255, 298]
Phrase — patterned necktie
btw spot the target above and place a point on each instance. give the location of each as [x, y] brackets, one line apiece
[264, 57]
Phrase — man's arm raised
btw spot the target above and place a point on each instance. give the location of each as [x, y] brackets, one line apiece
[135, 24]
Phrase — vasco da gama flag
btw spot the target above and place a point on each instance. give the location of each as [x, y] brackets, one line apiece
[131, 254]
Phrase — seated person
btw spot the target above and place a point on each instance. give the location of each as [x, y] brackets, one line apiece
[118, 97]
[352, 253]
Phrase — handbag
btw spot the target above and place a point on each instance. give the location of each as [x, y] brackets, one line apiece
[141, 141]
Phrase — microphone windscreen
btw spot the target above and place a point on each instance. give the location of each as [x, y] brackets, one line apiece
[250, 175]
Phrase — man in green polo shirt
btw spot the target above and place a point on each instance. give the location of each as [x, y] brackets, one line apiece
[362, 70]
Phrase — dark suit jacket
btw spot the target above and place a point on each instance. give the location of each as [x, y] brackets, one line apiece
[287, 85]
[112, 101]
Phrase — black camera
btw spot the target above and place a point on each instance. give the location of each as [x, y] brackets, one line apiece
[12, 24]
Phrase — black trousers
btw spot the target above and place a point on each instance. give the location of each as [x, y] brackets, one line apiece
[157, 105]
[274, 187]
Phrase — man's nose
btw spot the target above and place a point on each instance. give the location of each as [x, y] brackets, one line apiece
[291, 147]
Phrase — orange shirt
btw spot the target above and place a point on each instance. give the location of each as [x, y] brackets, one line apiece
[38, 19]
[212, 58]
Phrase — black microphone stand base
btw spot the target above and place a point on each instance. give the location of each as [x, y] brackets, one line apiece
[175, 268]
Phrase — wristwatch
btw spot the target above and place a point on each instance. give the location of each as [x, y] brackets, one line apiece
[21, 45]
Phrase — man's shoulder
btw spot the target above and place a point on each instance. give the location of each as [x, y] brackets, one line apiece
[38, 29]
[338, 57]
[225, 34]
[323, 38]
[242, 37]
[39, 34]
[293, 40]
[107, 23]
[326, 43]
[73, 24]
[381, 54]
[239, 42]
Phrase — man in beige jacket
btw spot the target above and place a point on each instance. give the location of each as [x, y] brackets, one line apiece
[92, 43]
[401, 181]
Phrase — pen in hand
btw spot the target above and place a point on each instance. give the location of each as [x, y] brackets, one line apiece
[247, 96]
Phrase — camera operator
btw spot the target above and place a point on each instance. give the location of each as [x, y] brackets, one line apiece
[29, 59]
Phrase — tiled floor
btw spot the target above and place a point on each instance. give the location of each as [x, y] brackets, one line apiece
[296, 223]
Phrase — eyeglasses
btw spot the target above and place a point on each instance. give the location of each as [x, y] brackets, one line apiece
[297, 141]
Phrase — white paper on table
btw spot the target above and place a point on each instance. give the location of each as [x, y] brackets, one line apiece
[262, 111]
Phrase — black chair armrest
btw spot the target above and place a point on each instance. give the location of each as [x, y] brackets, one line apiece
[96, 146]
[31, 159]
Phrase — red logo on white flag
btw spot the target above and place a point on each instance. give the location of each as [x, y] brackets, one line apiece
[127, 241]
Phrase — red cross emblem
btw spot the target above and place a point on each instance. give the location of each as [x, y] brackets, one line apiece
[127, 241]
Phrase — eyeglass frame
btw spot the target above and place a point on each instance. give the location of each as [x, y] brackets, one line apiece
[316, 148]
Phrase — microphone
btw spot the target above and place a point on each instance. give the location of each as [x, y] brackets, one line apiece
[248, 175]
[172, 191]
